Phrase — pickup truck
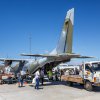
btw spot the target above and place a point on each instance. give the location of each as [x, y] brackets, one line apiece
[89, 75]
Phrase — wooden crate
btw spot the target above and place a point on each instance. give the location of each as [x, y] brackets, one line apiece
[72, 78]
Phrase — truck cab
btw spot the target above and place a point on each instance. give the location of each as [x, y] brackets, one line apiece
[91, 74]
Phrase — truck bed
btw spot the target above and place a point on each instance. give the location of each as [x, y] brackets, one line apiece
[72, 78]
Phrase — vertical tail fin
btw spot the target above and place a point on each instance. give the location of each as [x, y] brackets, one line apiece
[65, 42]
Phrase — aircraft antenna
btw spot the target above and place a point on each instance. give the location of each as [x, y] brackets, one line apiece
[30, 44]
[7, 55]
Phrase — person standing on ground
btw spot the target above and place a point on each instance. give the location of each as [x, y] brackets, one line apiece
[50, 75]
[19, 79]
[56, 75]
[27, 74]
[22, 73]
[61, 73]
[37, 75]
[76, 71]
[42, 76]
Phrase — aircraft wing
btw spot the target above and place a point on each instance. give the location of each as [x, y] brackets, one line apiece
[14, 60]
[8, 61]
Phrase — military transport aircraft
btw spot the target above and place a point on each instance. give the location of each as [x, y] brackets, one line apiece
[62, 52]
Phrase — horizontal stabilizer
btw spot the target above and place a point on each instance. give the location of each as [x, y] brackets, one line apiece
[54, 56]
[65, 55]
[85, 57]
[39, 55]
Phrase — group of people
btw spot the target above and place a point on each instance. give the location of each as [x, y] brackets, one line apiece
[21, 76]
[38, 78]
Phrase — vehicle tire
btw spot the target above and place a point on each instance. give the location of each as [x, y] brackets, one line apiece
[69, 83]
[88, 86]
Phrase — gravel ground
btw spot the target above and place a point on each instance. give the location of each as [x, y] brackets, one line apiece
[50, 91]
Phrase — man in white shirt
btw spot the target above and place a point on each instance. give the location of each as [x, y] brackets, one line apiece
[37, 76]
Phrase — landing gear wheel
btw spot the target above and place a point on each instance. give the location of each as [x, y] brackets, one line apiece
[88, 86]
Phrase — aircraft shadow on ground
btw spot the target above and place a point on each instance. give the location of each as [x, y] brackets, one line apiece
[50, 83]
[78, 86]
[96, 89]
[34, 87]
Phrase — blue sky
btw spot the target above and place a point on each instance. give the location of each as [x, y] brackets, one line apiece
[43, 19]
